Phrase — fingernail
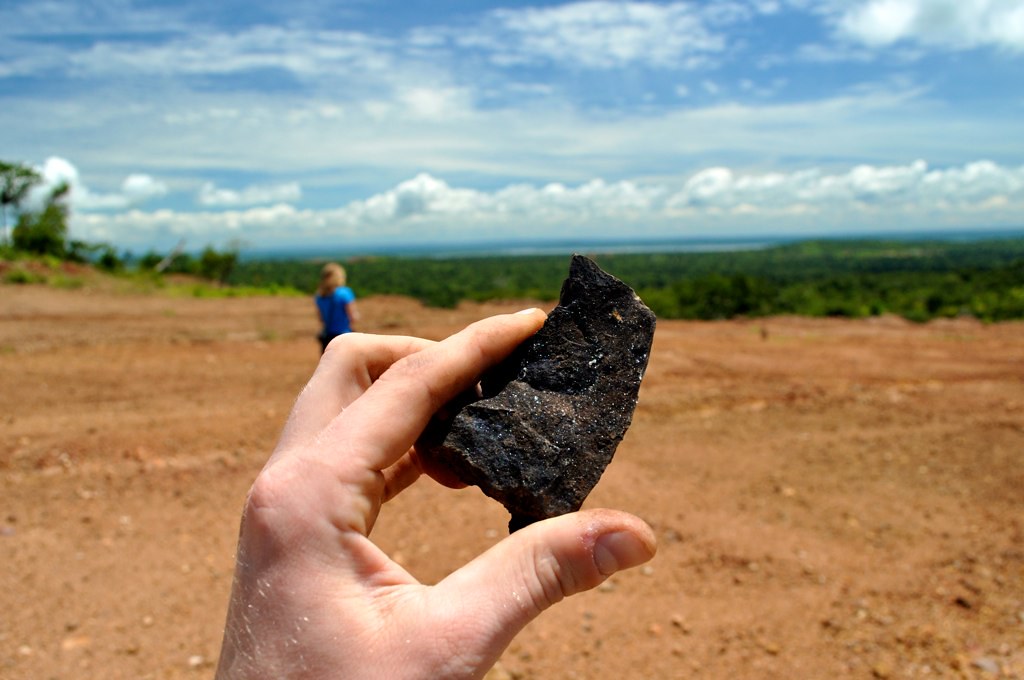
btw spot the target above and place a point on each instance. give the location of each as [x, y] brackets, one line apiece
[620, 550]
[531, 310]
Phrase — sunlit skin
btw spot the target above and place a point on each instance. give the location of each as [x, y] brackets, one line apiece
[314, 597]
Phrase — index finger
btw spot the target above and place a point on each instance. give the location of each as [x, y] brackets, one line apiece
[379, 427]
[350, 365]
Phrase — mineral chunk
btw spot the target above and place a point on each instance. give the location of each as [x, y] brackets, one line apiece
[548, 419]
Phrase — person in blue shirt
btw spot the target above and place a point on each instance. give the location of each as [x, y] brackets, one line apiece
[336, 304]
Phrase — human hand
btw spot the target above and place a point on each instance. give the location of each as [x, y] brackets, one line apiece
[313, 597]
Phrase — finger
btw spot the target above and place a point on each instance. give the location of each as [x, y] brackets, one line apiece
[350, 365]
[438, 472]
[384, 423]
[408, 469]
[509, 585]
[400, 476]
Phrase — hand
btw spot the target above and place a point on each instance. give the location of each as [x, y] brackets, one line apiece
[313, 597]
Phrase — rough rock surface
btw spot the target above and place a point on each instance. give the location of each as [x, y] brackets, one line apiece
[551, 415]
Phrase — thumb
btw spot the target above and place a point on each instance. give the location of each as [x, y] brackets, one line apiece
[509, 585]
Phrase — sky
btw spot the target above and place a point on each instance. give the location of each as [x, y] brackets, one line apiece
[353, 123]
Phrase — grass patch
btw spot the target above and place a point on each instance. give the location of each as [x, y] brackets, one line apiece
[21, 276]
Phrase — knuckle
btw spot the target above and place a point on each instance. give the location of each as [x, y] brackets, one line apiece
[347, 344]
[554, 580]
[270, 510]
[267, 490]
[411, 374]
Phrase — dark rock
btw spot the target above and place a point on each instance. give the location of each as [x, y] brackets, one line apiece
[548, 419]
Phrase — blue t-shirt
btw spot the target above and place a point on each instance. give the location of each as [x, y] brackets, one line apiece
[332, 310]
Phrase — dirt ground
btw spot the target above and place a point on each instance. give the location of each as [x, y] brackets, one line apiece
[833, 499]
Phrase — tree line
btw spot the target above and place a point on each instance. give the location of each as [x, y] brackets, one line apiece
[919, 280]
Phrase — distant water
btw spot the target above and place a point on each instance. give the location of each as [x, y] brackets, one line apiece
[442, 250]
[604, 247]
[513, 248]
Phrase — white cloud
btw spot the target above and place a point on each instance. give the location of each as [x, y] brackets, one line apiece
[62, 17]
[435, 103]
[602, 34]
[56, 172]
[426, 208]
[864, 187]
[211, 195]
[955, 24]
[141, 188]
[302, 52]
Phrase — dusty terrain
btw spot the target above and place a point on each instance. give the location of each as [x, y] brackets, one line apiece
[833, 499]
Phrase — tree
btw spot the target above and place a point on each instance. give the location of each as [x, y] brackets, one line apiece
[15, 181]
[217, 266]
[44, 233]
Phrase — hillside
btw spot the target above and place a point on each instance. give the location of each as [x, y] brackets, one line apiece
[833, 498]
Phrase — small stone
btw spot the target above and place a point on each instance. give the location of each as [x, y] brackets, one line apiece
[550, 417]
[195, 661]
[75, 642]
[882, 669]
[680, 623]
[655, 629]
[986, 664]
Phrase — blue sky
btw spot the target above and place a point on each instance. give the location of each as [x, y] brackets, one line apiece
[352, 123]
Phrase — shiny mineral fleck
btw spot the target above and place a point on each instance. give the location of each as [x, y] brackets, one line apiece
[552, 414]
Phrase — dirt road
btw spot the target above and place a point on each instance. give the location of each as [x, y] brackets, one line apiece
[833, 499]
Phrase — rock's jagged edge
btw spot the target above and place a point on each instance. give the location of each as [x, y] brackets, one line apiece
[552, 414]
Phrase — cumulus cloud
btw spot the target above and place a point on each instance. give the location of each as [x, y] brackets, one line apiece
[141, 188]
[865, 187]
[56, 172]
[711, 190]
[439, 104]
[211, 195]
[956, 24]
[426, 208]
[426, 198]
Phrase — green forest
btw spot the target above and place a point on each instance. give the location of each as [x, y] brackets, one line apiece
[919, 280]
